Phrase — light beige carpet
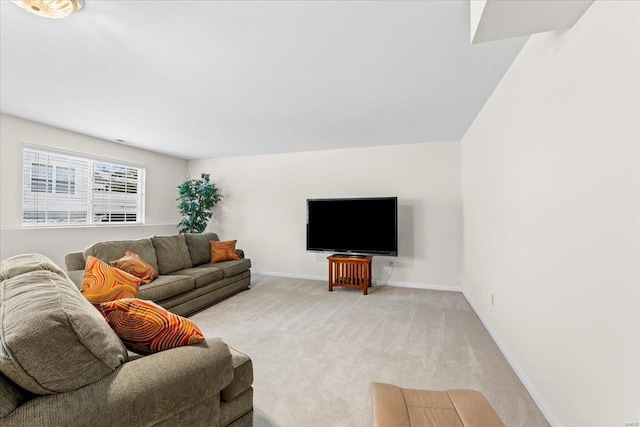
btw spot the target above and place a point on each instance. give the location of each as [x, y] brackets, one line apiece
[315, 353]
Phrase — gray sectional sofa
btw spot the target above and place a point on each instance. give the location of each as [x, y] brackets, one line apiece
[187, 280]
[62, 365]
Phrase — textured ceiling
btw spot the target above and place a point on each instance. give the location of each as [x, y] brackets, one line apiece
[201, 79]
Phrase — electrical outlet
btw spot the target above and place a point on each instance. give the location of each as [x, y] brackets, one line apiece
[493, 302]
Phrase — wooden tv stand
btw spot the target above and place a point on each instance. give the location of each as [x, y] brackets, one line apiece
[350, 272]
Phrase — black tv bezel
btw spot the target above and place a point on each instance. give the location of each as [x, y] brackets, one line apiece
[350, 251]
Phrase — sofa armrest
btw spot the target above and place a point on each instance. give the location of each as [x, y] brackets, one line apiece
[74, 261]
[76, 277]
[240, 253]
[143, 391]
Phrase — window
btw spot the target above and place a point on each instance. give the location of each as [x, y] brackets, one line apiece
[65, 180]
[61, 188]
[43, 176]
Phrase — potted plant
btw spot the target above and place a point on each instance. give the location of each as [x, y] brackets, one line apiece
[197, 198]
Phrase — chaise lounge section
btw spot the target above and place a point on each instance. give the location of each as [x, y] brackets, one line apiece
[62, 365]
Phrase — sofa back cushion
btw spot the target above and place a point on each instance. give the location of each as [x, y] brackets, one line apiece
[172, 253]
[199, 249]
[113, 250]
[51, 338]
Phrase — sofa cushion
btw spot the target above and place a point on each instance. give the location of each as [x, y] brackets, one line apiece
[147, 328]
[231, 268]
[165, 287]
[11, 396]
[134, 264]
[196, 299]
[112, 250]
[102, 283]
[199, 249]
[172, 253]
[203, 275]
[51, 338]
[223, 251]
[242, 376]
[238, 412]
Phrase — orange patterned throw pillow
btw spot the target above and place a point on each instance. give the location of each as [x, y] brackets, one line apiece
[104, 283]
[134, 264]
[223, 251]
[147, 328]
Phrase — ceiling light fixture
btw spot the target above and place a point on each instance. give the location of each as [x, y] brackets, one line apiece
[50, 8]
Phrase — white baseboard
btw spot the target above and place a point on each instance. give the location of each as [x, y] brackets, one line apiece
[375, 282]
[291, 275]
[553, 421]
[427, 286]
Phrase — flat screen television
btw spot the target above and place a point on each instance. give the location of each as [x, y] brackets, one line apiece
[367, 226]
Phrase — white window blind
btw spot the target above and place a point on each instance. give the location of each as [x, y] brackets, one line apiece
[64, 189]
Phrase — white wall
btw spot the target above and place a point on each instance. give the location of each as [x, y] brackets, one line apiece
[163, 175]
[551, 195]
[265, 206]
[475, 14]
[499, 19]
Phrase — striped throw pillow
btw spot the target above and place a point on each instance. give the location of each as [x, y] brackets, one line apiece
[223, 251]
[102, 283]
[147, 328]
[133, 263]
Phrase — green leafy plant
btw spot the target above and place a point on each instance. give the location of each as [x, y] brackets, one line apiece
[197, 198]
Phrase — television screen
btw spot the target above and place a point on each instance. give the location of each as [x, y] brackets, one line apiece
[359, 226]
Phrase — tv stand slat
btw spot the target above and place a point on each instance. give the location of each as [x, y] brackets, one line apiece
[350, 272]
